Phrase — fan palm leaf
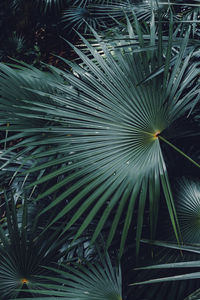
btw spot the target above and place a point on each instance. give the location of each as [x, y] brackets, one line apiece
[47, 6]
[187, 204]
[101, 14]
[191, 265]
[175, 290]
[23, 252]
[101, 134]
[93, 281]
[98, 14]
[13, 156]
[188, 209]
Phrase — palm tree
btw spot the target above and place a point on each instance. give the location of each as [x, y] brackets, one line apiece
[90, 142]
[100, 130]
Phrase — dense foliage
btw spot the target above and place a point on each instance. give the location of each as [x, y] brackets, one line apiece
[99, 130]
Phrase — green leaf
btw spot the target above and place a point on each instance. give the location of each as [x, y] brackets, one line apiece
[93, 281]
[94, 133]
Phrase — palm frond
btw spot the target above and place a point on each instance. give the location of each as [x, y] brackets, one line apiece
[98, 14]
[14, 46]
[22, 253]
[93, 281]
[188, 209]
[105, 15]
[100, 132]
[47, 6]
[176, 265]
[177, 275]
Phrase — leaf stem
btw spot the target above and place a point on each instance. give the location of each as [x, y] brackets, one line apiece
[178, 150]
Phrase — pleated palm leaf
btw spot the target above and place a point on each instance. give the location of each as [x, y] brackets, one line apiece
[90, 282]
[188, 210]
[101, 134]
[49, 6]
[187, 206]
[26, 76]
[183, 266]
[105, 14]
[23, 252]
[154, 255]
[14, 46]
[98, 14]
[187, 199]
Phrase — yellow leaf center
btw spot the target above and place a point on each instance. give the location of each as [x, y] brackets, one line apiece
[24, 281]
[156, 134]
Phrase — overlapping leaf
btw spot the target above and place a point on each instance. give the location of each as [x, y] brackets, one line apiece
[105, 14]
[188, 210]
[98, 14]
[90, 282]
[23, 252]
[100, 133]
[191, 266]
[165, 256]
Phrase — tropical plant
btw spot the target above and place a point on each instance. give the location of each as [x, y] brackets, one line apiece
[94, 147]
[106, 14]
[188, 209]
[192, 264]
[187, 201]
[92, 281]
[29, 256]
[23, 251]
[98, 14]
[14, 46]
[106, 152]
